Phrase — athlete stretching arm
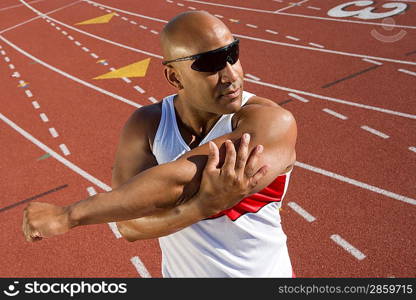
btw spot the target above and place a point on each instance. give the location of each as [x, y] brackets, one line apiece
[157, 188]
[133, 156]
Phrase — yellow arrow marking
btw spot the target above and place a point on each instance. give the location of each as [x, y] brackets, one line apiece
[137, 69]
[98, 20]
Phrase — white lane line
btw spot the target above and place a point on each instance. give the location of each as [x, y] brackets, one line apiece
[290, 6]
[153, 99]
[18, 5]
[77, 43]
[11, 66]
[412, 149]
[92, 35]
[64, 149]
[94, 55]
[297, 97]
[356, 183]
[139, 89]
[7, 59]
[325, 50]
[316, 45]
[133, 14]
[28, 93]
[133, 22]
[55, 155]
[85, 49]
[292, 38]
[53, 132]
[375, 132]
[313, 7]
[58, 28]
[143, 27]
[64, 32]
[70, 37]
[124, 18]
[154, 32]
[80, 81]
[251, 76]
[35, 104]
[112, 69]
[372, 61]
[126, 79]
[252, 26]
[141, 269]
[16, 75]
[91, 191]
[3, 52]
[301, 16]
[307, 216]
[407, 72]
[348, 247]
[271, 31]
[387, 111]
[335, 114]
[219, 16]
[191, 7]
[44, 117]
[180, 4]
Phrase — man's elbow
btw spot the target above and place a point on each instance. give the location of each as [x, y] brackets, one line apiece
[127, 233]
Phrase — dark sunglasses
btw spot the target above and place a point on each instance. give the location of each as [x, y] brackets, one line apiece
[214, 60]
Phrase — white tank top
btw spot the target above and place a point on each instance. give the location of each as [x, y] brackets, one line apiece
[244, 241]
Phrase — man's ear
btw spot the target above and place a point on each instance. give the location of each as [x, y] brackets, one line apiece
[172, 78]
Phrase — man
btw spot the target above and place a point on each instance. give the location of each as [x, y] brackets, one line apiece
[160, 188]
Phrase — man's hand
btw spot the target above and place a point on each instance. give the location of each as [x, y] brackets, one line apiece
[222, 188]
[44, 220]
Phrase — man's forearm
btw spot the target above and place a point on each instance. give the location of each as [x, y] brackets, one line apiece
[147, 193]
[163, 223]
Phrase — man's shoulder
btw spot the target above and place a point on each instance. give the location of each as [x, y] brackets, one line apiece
[260, 101]
[143, 122]
[259, 109]
[145, 116]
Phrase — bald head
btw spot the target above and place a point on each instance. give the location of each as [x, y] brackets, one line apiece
[193, 32]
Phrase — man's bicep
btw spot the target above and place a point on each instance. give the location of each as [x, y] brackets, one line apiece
[274, 128]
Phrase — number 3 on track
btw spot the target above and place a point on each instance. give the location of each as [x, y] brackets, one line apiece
[366, 13]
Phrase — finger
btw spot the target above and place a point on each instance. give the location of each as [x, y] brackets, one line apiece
[230, 156]
[213, 157]
[25, 226]
[253, 181]
[242, 154]
[251, 165]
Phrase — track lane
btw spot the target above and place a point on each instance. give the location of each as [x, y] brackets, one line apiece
[329, 246]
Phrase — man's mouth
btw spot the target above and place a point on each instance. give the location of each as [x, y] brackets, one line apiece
[231, 94]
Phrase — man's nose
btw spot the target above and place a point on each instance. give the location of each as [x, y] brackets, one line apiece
[228, 74]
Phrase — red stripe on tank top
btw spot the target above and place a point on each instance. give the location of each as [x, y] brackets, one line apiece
[272, 193]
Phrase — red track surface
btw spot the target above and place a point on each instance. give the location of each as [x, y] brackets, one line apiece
[88, 120]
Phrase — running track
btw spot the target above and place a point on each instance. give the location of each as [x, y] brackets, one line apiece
[350, 83]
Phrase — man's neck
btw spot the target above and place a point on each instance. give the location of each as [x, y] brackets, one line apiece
[195, 122]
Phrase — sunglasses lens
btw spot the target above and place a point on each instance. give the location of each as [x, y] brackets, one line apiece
[215, 61]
